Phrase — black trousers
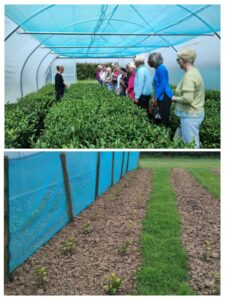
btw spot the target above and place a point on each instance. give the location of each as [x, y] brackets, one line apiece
[143, 101]
[59, 94]
[164, 109]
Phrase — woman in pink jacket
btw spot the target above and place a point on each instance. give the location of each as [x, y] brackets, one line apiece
[130, 89]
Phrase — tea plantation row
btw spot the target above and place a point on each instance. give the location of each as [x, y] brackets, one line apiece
[92, 117]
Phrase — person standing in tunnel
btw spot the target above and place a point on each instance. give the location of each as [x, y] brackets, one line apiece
[59, 83]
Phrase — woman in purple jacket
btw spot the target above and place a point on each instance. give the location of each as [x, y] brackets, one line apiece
[162, 90]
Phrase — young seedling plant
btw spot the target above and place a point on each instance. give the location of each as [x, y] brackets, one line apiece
[123, 249]
[207, 250]
[41, 276]
[69, 245]
[111, 284]
[87, 228]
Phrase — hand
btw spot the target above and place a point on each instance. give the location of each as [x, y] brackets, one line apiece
[155, 102]
[135, 101]
[173, 98]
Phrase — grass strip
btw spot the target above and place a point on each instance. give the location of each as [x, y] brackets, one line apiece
[179, 162]
[208, 180]
[164, 267]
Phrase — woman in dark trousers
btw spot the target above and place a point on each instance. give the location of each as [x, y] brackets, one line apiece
[59, 83]
[162, 90]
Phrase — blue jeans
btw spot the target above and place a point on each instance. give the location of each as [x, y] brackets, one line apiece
[189, 128]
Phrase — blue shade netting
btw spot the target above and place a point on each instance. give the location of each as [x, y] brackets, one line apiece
[82, 168]
[105, 178]
[38, 206]
[169, 24]
[117, 166]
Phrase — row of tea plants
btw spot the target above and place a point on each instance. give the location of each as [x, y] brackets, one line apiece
[89, 116]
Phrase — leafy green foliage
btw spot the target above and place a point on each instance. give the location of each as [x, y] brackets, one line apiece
[87, 228]
[87, 71]
[69, 245]
[92, 117]
[41, 276]
[210, 129]
[112, 284]
[24, 120]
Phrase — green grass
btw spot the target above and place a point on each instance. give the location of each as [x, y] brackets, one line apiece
[179, 162]
[164, 267]
[198, 167]
[208, 180]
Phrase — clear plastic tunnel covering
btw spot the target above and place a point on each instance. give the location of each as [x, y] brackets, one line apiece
[42, 33]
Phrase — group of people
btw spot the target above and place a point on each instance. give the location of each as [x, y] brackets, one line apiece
[135, 82]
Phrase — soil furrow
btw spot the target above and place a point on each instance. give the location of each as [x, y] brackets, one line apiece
[200, 217]
[114, 219]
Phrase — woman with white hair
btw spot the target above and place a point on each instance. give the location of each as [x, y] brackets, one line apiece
[131, 69]
[162, 90]
[189, 98]
[108, 79]
[142, 83]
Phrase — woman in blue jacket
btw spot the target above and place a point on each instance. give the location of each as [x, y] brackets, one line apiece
[162, 90]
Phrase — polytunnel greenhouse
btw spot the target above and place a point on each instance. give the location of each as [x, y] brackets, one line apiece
[40, 37]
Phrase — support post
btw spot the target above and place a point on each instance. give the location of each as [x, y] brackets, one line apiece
[112, 174]
[121, 173]
[97, 174]
[128, 159]
[67, 187]
[6, 220]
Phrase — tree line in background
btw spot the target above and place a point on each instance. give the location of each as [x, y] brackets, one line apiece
[88, 71]
[180, 154]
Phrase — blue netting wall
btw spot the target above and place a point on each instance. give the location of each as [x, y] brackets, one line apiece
[133, 161]
[125, 163]
[105, 177]
[37, 198]
[117, 166]
[82, 168]
[37, 204]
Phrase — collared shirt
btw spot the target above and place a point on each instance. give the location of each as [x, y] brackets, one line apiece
[142, 82]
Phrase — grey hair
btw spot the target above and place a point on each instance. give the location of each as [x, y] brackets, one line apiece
[156, 57]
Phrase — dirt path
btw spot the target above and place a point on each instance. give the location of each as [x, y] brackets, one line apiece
[200, 214]
[114, 219]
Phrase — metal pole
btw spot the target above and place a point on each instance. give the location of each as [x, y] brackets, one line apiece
[39, 68]
[101, 47]
[128, 158]
[97, 174]
[112, 174]
[113, 34]
[121, 173]
[67, 188]
[28, 19]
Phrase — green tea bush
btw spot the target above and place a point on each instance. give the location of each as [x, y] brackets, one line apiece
[90, 116]
[24, 120]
